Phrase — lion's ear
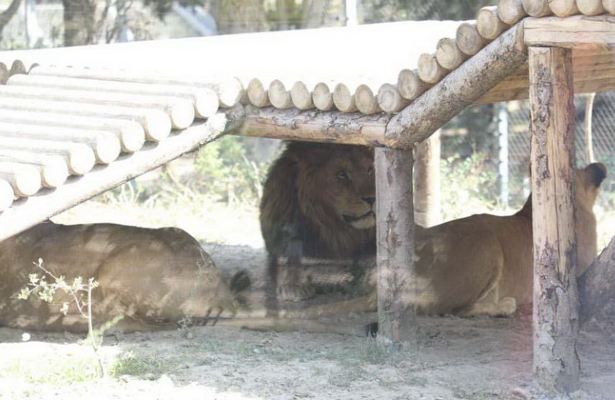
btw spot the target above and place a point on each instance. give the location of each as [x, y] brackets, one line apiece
[596, 173]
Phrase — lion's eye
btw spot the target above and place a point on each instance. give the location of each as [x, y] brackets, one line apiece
[342, 176]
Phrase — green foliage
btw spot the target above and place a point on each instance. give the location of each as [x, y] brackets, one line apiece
[401, 10]
[228, 171]
[466, 186]
[138, 365]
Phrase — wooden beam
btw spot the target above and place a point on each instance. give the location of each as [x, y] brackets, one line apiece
[395, 241]
[45, 204]
[313, 125]
[457, 90]
[427, 182]
[577, 31]
[556, 303]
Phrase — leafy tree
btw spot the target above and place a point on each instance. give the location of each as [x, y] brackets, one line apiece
[401, 10]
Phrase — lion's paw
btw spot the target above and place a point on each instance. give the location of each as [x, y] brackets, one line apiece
[295, 293]
[507, 306]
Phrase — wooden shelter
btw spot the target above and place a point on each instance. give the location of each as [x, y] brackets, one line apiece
[320, 85]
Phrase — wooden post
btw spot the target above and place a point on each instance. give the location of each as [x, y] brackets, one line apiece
[556, 302]
[427, 183]
[395, 233]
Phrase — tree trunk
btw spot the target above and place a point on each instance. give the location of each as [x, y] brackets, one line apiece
[78, 22]
[395, 234]
[556, 304]
[240, 16]
[427, 184]
[8, 14]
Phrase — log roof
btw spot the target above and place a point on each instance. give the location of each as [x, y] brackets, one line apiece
[77, 121]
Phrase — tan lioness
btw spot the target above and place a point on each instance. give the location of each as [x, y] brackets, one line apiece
[483, 264]
[151, 277]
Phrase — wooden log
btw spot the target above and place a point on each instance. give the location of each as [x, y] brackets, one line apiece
[395, 254]
[155, 123]
[427, 182]
[24, 179]
[488, 24]
[204, 100]
[279, 96]
[130, 133]
[468, 40]
[556, 303]
[180, 111]
[257, 94]
[389, 99]
[229, 91]
[590, 7]
[448, 54]
[106, 145]
[53, 169]
[343, 97]
[563, 8]
[301, 96]
[38, 208]
[6, 195]
[323, 97]
[365, 100]
[79, 157]
[429, 69]
[511, 11]
[18, 67]
[458, 89]
[410, 85]
[578, 32]
[596, 284]
[4, 73]
[609, 6]
[313, 125]
[537, 8]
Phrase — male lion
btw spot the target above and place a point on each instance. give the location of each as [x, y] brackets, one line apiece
[151, 277]
[318, 201]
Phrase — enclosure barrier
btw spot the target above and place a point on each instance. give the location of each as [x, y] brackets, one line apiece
[58, 121]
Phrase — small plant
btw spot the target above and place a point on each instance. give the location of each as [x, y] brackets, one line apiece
[76, 291]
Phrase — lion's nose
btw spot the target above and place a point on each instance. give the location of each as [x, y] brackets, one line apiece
[369, 200]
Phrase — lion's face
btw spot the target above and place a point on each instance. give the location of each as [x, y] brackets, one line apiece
[341, 181]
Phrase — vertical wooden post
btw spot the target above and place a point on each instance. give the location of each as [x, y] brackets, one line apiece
[395, 233]
[427, 182]
[556, 303]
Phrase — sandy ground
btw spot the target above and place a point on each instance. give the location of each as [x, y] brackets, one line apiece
[474, 359]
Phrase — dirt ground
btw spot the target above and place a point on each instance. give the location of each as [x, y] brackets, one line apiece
[474, 359]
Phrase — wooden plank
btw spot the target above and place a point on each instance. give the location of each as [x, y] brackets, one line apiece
[457, 90]
[571, 32]
[395, 254]
[594, 71]
[556, 303]
[313, 125]
[46, 204]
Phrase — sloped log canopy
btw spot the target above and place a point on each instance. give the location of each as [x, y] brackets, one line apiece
[30, 211]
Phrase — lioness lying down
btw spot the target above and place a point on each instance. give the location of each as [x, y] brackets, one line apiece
[151, 277]
[319, 198]
[483, 264]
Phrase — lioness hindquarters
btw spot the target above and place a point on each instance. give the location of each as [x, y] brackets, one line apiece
[318, 201]
[151, 276]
